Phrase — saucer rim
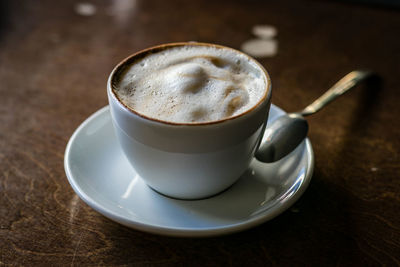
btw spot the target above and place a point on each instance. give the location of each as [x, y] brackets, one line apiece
[264, 216]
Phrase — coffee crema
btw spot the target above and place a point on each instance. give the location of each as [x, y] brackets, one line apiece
[191, 84]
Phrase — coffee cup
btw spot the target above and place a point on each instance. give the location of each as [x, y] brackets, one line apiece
[184, 156]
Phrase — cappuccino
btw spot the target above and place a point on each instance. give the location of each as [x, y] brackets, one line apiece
[191, 84]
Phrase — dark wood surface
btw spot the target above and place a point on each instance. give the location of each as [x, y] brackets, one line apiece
[53, 69]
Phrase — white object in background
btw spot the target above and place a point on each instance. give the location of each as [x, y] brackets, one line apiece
[265, 45]
[260, 47]
[264, 31]
[85, 9]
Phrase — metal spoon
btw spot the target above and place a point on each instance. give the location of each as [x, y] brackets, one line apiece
[289, 130]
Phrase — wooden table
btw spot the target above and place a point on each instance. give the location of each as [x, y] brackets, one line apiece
[55, 57]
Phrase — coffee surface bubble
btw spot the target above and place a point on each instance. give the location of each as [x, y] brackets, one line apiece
[190, 84]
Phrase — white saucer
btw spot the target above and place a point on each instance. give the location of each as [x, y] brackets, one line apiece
[102, 177]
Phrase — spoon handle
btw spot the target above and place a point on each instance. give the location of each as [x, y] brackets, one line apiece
[342, 86]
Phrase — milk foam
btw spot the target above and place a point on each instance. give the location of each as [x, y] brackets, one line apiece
[191, 84]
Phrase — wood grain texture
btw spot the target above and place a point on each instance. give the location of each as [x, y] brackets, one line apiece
[53, 69]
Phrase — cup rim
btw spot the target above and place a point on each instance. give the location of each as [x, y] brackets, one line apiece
[142, 53]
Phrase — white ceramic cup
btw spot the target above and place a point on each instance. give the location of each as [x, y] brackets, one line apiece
[188, 161]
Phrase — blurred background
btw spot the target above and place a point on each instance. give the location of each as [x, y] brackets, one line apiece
[55, 58]
[73, 45]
